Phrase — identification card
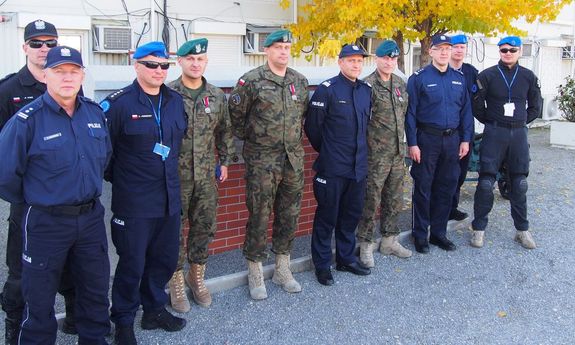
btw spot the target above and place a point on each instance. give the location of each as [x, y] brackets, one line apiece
[509, 108]
[162, 150]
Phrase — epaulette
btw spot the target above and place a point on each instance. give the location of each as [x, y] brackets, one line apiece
[28, 110]
[365, 82]
[88, 100]
[417, 72]
[105, 104]
[8, 76]
[458, 71]
[326, 83]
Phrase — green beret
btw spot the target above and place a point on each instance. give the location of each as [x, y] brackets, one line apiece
[283, 36]
[387, 48]
[194, 47]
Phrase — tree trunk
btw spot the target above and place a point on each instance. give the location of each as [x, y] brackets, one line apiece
[398, 38]
[424, 58]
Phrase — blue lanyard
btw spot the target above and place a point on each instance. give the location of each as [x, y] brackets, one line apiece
[157, 115]
[512, 80]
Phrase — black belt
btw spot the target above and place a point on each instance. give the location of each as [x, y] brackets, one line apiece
[436, 131]
[68, 210]
[507, 124]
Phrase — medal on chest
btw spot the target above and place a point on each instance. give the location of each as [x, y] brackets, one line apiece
[292, 91]
[398, 94]
[207, 105]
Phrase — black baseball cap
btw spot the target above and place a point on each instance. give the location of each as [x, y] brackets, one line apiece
[39, 28]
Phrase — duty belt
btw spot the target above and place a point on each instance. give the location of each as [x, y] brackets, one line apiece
[507, 124]
[68, 210]
[437, 131]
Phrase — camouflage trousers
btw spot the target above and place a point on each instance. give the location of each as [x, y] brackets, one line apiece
[385, 189]
[266, 189]
[199, 206]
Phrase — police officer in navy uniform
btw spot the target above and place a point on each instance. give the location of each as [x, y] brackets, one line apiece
[54, 152]
[16, 91]
[509, 97]
[458, 52]
[336, 125]
[438, 127]
[147, 122]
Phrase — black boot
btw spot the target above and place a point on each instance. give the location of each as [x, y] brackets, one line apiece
[12, 329]
[125, 335]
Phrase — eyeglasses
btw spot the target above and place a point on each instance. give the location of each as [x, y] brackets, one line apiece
[37, 44]
[508, 50]
[154, 64]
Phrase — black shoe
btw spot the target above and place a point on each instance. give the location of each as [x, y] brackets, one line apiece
[164, 320]
[125, 335]
[324, 277]
[421, 245]
[11, 331]
[442, 243]
[458, 215]
[355, 268]
[69, 326]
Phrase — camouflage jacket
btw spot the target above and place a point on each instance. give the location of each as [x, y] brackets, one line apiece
[208, 130]
[267, 112]
[385, 131]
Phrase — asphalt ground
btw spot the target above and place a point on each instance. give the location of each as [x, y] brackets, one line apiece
[500, 294]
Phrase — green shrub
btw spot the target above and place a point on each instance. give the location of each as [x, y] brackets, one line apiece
[566, 99]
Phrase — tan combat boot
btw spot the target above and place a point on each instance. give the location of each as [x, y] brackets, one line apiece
[477, 238]
[195, 280]
[256, 280]
[525, 239]
[178, 297]
[366, 254]
[283, 276]
[390, 246]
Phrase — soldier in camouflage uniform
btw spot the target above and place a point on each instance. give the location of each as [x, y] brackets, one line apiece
[209, 129]
[386, 150]
[266, 108]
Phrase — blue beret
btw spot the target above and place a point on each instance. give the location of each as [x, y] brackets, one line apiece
[194, 47]
[458, 39]
[39, 28]
[157, 49]
[351, 49]
[440, 39]
[61, 55]
[387, 48]
[283, 36]
[513, 41]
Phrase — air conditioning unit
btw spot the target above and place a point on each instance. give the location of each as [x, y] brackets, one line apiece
[112, 39]
[550, 109]
[528, 50]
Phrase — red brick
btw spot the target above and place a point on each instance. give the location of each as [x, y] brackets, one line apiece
[229, 200]
[236, 224]
[235, 240]
[227, 233]
[236, 208]
[235, 190]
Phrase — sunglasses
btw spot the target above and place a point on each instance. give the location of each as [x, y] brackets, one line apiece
[37, 44]
[508, 50]
[154, 64]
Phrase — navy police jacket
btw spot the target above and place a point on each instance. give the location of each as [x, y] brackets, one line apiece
[143, 184]
[50, 158]
[439, 100]
[336, 126]
[525, 94]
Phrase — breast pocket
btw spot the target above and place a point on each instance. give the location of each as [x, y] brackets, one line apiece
[141, 134]
[342, 119]
[178, 130]
[56, 152]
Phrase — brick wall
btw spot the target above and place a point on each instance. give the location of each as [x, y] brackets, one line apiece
[232, 213]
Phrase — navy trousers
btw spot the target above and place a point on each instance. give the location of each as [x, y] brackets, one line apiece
[11, 298]
[463, 167]
[434, 182]
[501, 144]
[51, 240]
[339, 206]
[148, 251]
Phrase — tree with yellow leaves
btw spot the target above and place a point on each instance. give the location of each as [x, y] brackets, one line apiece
[327, 24]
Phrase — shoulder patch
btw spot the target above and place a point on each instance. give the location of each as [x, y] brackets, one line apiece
[27, 111]
[105, 105]
[241, 82]
[8, 76]
[235, 99]
[420, 71]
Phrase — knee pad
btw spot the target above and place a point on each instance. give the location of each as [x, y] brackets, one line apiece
[519, 184]
[485, 184]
